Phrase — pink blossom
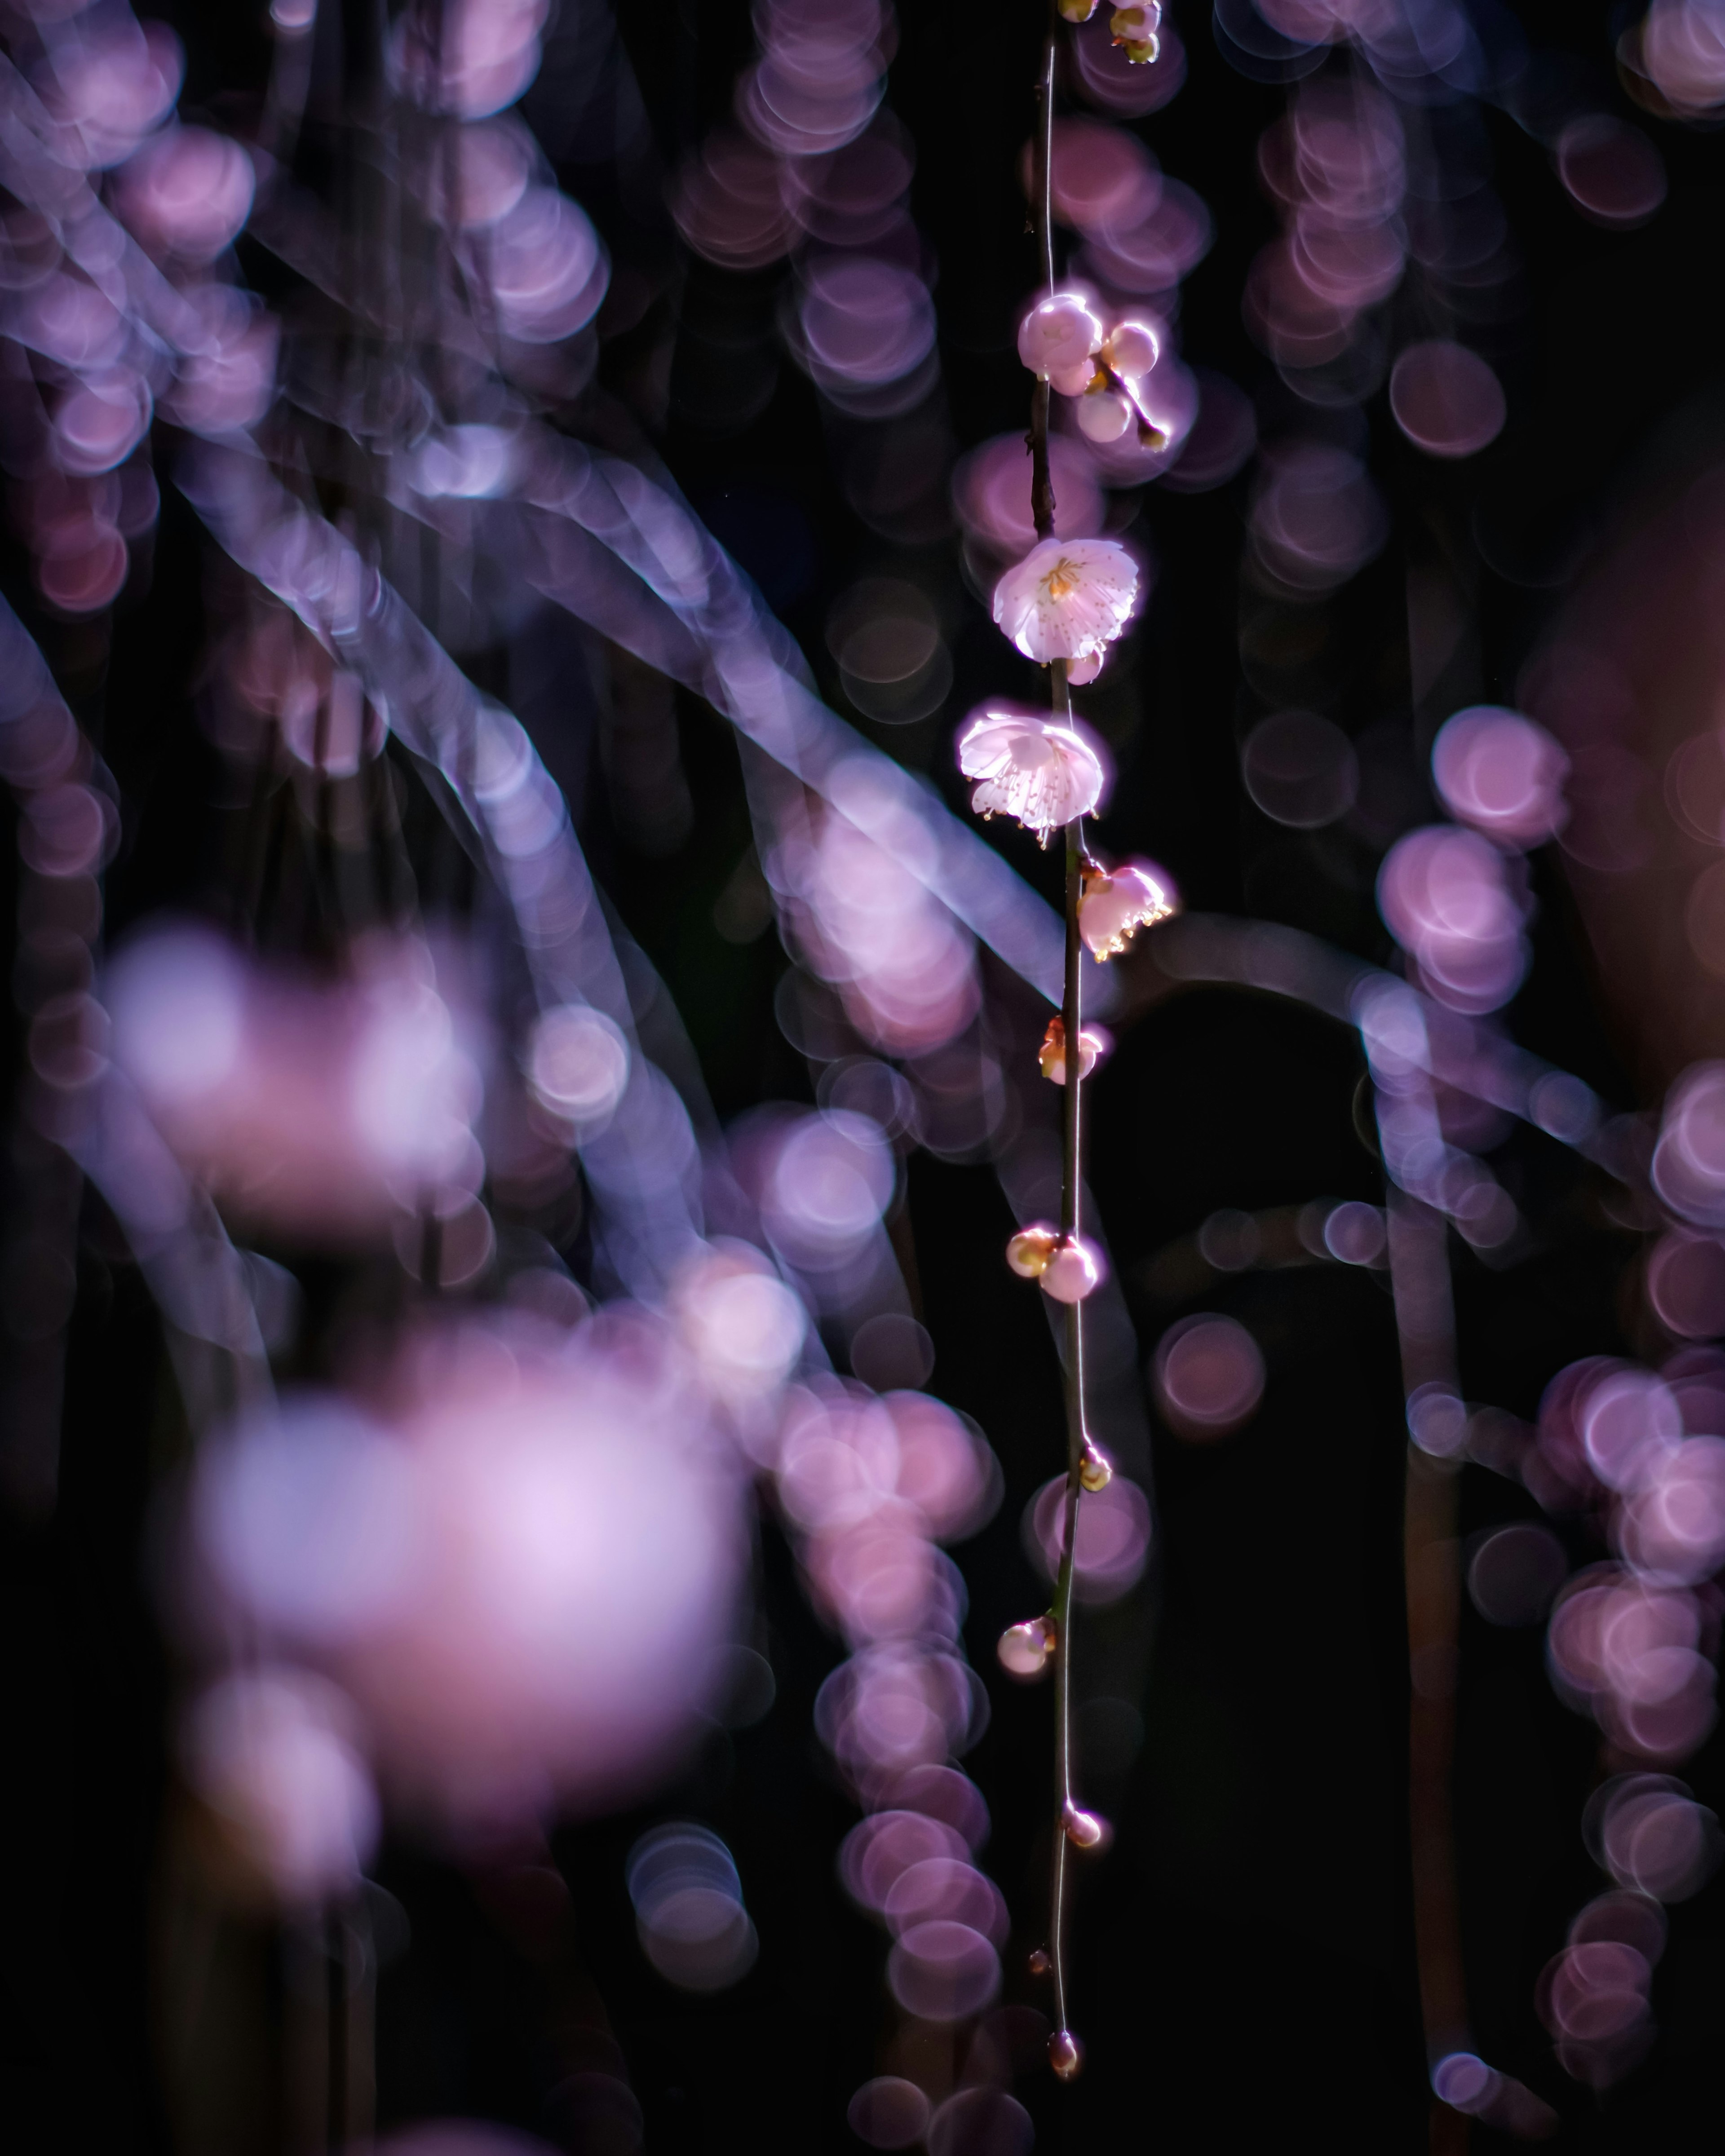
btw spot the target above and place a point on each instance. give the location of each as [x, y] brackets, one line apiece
[1104, 415]
[1067, 599]
[1031, 1250]
[1043, 775]
[1056, 338]
[1072, 1273]
[1024, 1650]
[1116, 903]
[1132, 349]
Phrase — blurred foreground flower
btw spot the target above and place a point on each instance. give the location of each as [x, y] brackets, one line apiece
[520, 1566]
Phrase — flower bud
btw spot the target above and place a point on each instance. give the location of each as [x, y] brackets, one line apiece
[1135, 27]
[1065, 2055]
[1074, 380]
[1059, 336]
[1080, 670]
[1103, 415]
[1031, 1251]
[1094, 1469]
[1132, 349]
[1083, 1830]
[1039, 1964]
[1024, 1648]
[1071, 1272]
[1051, 1056]
[1078, 11]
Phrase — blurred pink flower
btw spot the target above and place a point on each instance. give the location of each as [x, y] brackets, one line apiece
[1043, 775]
[1116, 903]
[1067, 599]
[1056, 338]
[1104, 415]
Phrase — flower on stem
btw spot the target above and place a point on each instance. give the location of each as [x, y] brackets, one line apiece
[1031, 1251]
[1134, 28]
[1078, 11]
[1052, 1053]
[1067, 599]
[1132, 349]
[1083, 1830]
[1065, 2054]
[1095, 1470]
[1056, 340]
[1072, 1273]
[1026, 1649]
[1116, 903]
[1043, 775]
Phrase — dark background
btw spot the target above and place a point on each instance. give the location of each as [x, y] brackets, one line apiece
[1244, 1954]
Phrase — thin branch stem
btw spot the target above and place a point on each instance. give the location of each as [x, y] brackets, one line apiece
[1042, 494]
[1042, 505]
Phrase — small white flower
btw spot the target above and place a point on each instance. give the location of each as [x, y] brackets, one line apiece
[1068, 599]
[1043, 775]
[1113, 905]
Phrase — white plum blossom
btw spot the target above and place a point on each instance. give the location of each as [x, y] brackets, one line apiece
[1043, 774]
[1068, 599]
[1116, 903]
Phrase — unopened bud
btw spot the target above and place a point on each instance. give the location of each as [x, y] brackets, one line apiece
[1051, 1056]
[1078, 11]
[1083, 1830]
[1024, 1648]
[1039, 1964]
[1065, 2054]
[1094, 1470]
[1031, 1251]
[1070, 1273]
[1134, 26]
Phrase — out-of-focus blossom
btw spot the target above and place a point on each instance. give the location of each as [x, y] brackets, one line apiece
[688, 1911]
[1025, 1651]
[521, 1570]
[1446, 399]
[1209, 1376]
[1447, 897]
[1682, 49]
[111, 86]
[323, 1111]
[1056, 340]
[741, 1324]
[1115, 903]
[1112, 1543]
[1689, 1160]
[187, 194]
[1043, 775]
[275, 1755]
[577, 1065]
[1501, 773]
[1067, 599]
[1104, 415]
[1051, 1057]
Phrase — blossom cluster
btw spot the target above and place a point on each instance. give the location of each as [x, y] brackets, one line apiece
[1064, 343]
